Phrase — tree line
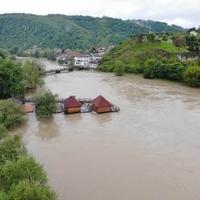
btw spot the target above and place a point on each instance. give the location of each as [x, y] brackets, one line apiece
[21, 177]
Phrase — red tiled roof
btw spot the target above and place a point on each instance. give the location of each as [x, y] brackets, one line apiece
[71, 102]
[101, 102]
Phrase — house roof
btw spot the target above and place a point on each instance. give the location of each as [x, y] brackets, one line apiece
[71, 102]
[100, 102]
[27, 107]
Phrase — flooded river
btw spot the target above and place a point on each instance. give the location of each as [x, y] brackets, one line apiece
[150, 150]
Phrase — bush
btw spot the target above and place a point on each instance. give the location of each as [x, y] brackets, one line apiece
[151, 37]
[134, 69]
[3, 131]
[173, 71]
[119, 68]
[46, 104]
[25, 168]
[11, 114]
[30, 191]
[192, 76]
[32, 74]
[11, 149]
[3, 196]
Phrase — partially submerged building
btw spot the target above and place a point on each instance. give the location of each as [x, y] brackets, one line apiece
[101, 105]
[27, 107]
[71, 105]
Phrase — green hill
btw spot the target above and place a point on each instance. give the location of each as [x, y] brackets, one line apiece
[165, 56]
[135, 51]
[73, 32]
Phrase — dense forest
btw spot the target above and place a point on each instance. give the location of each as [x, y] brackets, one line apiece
[167, 56]
[24, 31]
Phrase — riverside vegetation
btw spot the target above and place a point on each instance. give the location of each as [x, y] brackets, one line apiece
[156, 56]
[21, 177]
[17, 78]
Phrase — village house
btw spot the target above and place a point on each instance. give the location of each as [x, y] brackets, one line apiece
[67, 57]
[71, 105]
[96, 56]
[82, 61]
[93, 64]
[188, 56]
[101, 105]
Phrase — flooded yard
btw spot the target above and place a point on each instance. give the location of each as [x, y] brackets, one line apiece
[148, 151]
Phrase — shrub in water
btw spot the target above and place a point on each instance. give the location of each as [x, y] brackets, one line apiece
[46, 104]
[192, 76]
[119, 68]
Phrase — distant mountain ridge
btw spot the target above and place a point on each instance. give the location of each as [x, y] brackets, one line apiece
[73, 32]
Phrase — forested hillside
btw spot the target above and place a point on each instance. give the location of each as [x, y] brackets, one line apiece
[73, 32]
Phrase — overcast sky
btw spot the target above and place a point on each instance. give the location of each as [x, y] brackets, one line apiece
[181, 12]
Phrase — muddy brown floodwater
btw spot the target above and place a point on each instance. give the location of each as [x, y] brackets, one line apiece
[148, 151]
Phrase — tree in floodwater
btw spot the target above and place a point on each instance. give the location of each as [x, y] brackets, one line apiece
[46, 104]
[119, 68]
[192, 76]
[32, 74]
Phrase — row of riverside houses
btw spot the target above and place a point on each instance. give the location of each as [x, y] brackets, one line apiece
[83, 60]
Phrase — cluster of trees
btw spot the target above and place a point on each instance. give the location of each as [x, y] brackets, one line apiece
[21, 177]
[46, 104]
[32, 74]
[190, 75]
[191, 40]
[16, 78]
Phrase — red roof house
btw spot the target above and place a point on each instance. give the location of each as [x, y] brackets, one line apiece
[101, 105]
[71, 105]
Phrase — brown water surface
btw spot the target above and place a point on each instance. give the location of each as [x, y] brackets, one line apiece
[150, 150]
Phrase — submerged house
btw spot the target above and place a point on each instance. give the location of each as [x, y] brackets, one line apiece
[27, 107]
[71, 105]
[101, 105]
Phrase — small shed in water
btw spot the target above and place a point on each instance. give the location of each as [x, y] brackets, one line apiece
[27, 107]
[71, 105]
[101, 105]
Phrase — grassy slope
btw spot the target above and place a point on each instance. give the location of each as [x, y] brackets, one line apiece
[132, 53]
